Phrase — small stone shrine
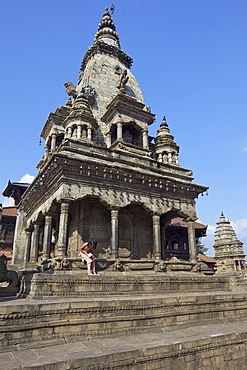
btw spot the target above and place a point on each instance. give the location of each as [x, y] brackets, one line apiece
[229, 253]
[102, 176]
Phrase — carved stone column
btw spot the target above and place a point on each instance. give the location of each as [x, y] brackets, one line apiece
[69, 132]
[78, 131]
[119, 131]
[35, 243]
[156, 237]
[26, 257]
[47, 237]
[46, 148]
[89, 133]
[53, 142]
[63, 229]
[108, 140]
[145, 139]
[114, 233]
[192, 241]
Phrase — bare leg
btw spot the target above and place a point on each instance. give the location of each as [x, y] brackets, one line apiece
[94, 267]
[89, 268]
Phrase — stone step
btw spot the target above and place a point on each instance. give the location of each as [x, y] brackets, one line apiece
[204, 346]
[26, 320]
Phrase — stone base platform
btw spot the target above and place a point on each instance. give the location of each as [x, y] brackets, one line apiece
[72, 284]
[25, 321]
[152, 321]
[212, 345]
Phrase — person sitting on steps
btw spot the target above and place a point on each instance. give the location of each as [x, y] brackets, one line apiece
[87, 256]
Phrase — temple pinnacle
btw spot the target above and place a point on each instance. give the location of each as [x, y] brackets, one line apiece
[107, 30]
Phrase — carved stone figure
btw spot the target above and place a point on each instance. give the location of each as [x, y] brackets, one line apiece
[7, 275]
[70, 89]
[123, 80]
[90, 93]
[117, 265]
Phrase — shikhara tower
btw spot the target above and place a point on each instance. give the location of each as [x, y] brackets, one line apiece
[102, 177]
[229, 252]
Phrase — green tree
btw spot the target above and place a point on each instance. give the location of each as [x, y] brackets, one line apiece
[200, 247]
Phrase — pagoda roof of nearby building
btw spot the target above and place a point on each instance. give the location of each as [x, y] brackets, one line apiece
[178, 222]
[9, 211]
[15, 190]
[206, 258]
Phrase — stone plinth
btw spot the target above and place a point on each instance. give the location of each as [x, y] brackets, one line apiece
[70, 284]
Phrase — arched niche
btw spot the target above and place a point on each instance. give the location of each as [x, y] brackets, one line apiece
[135, 232]
[89, 219]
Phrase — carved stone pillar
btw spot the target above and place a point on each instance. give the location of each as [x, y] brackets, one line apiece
[69, 132]
[145, 139]
[160, 158]
[169, 157]
[78, 131]
[53, 142]
[26, 257]
[35, 243]
[119, 131]
[192, 241]
[46, 148]
[156, 237]
[114, 233]
[175, 158]
[89, 133]
[108, 140]
[63, 229]
[47, 237]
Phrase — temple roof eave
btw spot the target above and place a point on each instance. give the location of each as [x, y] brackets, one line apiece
[122, 103]
[55, 118]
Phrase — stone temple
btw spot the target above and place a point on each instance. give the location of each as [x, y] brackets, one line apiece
[229, 252]
[102, 176]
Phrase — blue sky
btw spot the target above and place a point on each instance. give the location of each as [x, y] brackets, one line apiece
[190, 59]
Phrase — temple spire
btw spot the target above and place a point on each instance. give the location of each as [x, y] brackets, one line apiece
[166, 148]
[107, 30]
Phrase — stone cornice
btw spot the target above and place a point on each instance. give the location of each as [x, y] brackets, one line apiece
[100, 47]
[92, 174]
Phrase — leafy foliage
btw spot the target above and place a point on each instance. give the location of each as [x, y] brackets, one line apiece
[200, 247]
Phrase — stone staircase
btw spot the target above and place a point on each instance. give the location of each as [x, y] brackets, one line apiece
[124, 322]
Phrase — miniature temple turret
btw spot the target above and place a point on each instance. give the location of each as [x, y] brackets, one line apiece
[80, 123]
[101, 177]
[228, 248]
[165, 146]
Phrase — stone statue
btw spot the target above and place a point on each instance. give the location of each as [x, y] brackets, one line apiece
[123, 80]
[70, 89]
[7, 275]
[89, 92]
